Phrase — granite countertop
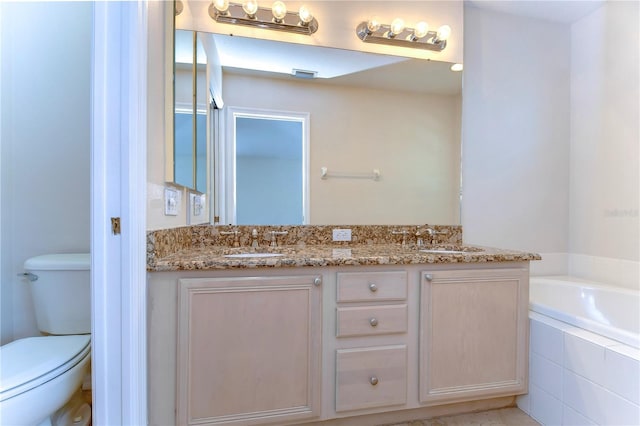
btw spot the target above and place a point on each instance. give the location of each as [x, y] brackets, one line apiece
[216, 257]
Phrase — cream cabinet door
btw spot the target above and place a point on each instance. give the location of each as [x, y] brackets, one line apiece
[473, 334]
[249, 350]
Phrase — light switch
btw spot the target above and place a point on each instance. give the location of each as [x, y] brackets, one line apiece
[196, 208]
[171, 202]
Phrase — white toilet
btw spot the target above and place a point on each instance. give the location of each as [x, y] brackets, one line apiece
[40, 375]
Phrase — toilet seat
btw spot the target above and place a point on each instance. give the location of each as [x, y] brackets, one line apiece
[30, 362]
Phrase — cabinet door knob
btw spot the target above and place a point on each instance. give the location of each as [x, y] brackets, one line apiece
[373, 322]
[317, 281]
[373, 380]
[428, 277]
[373, 287]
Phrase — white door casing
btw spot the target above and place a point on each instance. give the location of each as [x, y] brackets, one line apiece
[118, 182]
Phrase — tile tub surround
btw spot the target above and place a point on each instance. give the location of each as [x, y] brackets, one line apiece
[204, 248]
[580, 378]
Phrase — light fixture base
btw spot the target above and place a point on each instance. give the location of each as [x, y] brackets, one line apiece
[404, 39]
[263, 18]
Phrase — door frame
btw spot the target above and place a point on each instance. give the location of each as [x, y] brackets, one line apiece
[118, 190]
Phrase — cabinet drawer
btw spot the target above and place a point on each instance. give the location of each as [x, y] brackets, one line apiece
[371, 320]
[371, 286]
[371, 377]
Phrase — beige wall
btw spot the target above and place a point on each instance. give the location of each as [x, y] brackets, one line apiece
[515, 131]
[413, 139]
[605, 133]
[46, 134]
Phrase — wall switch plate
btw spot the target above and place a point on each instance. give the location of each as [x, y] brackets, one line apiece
[342, 235]
[171, 202]
[196, 209]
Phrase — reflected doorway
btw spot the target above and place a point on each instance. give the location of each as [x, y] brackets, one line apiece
[267, 176]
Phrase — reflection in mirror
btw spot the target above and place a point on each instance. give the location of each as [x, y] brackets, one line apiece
[397, 115]
[190, 112]
[268, 167]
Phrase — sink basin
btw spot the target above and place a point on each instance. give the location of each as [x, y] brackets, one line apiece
[245, 255]
[442, 251]
[450, 251]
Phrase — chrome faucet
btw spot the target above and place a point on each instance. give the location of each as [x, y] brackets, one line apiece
[273, 237]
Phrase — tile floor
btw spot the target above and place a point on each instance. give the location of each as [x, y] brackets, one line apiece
[503, 417]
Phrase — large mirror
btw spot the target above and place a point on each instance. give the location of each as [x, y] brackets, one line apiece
[191, 99]
[376, 139]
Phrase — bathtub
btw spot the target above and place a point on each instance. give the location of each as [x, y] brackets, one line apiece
[584, 355]
[608, 311]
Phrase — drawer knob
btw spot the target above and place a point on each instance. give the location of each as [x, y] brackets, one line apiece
[428, 277]
[373, 287]
[373, 380]
[373, 322]
[317, 281]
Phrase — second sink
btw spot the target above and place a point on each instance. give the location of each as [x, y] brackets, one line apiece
[245, 255]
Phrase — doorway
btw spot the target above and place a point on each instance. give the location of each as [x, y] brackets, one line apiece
[267, 165]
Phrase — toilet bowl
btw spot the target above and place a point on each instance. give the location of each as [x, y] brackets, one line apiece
[39, 375]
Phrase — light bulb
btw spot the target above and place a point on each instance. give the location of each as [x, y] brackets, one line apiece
[279, 10]
[421, 30]
[221, 5]
[443, 32]
[250, 7]
[456, 67]
[305, 14]
[397, 26]
[373, 24]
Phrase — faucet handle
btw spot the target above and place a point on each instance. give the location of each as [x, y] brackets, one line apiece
[418, 235]
[254, 238]
[273, 237]
[236, 236]
[404, 233]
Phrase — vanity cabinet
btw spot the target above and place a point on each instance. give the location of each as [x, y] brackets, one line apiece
[368, 374]
[249, 349]
[289, 346]
[473, 334]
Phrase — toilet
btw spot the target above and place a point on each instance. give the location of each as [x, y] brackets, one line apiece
[40, 377]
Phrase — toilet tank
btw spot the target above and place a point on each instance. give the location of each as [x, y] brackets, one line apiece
[61, 292]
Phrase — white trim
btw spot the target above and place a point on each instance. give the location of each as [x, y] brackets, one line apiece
[118, 182]
[228, 157]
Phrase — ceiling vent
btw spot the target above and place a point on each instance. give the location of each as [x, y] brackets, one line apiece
[304, 73]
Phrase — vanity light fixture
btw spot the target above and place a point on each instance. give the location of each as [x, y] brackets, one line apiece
[275, 18]
[456, 67]
[396, 34]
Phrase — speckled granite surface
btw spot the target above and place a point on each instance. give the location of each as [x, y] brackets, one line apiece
[206, 248]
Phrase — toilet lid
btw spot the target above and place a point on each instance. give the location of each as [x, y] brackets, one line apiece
[36, 358]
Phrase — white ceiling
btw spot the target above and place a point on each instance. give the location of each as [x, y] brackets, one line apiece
[561, 11]
[336, 66]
